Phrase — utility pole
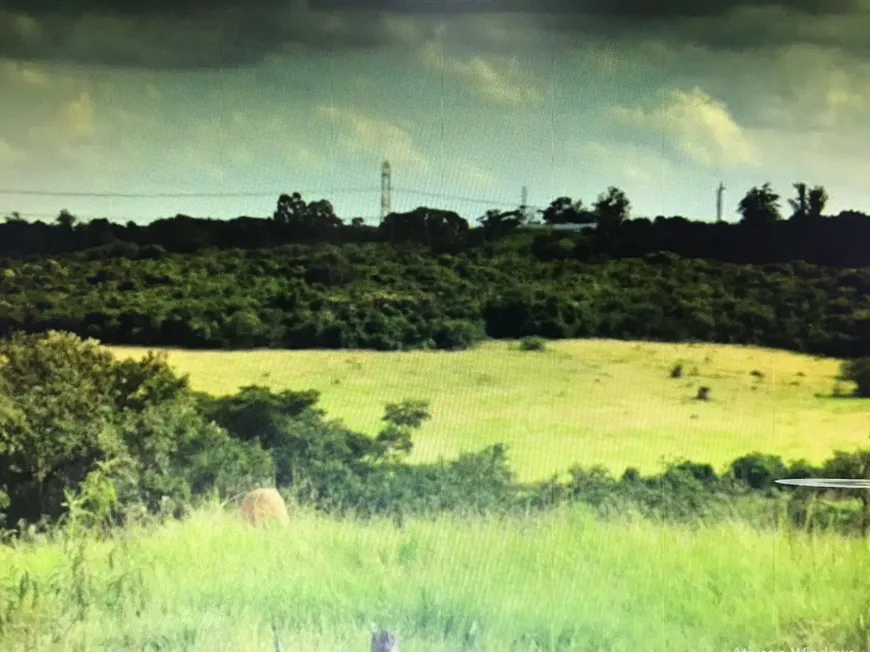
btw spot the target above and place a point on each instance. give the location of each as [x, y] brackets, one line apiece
[719, 192]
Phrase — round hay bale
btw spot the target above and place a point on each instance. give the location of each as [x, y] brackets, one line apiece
[384, 642]
[262, 507]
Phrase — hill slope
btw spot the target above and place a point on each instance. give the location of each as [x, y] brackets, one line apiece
[580, 402]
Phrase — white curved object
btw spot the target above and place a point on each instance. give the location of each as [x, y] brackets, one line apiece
[833, 483]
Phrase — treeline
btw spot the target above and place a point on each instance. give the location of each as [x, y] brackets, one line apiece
[84, 436]
[762, 235]
[378, 296]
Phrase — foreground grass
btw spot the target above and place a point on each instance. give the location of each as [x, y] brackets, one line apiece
[580, 402]
[563, 582]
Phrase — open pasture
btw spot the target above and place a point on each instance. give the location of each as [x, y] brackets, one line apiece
[578, 402]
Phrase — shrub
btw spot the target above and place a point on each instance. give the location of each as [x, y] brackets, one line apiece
[801, 469]
[858, 372]
[68, 409]
[533, 343]
[703, 473]
[677, 370]
[322, 461]
[703, 394]
[457, 334]
[758, 470]
[630, 476]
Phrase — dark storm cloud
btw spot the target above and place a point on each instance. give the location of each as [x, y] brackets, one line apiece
[178, 34]
[649, 10]
[751, 26]
[172, 34]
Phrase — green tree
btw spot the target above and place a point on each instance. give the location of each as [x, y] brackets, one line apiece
[65, 219]
[305, 218]
[858, 372]
[759, 206]
[818, 199]
[290, 208]
[800, 206]
[853, 465]
[563, 210]
[612, 208]
[496, 223]
[68, 408]
[809, 203]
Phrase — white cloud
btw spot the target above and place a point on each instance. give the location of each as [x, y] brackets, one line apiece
[625, 164]
[374, 135]
[16, 73]
[699, 126]
[817, 88]
[9, 154]
[72, 121]
[498, 79]
[472, 174]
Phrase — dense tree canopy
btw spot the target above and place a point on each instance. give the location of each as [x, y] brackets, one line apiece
[759, 237]
[389, 297]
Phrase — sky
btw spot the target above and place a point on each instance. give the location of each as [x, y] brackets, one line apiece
[108, 109]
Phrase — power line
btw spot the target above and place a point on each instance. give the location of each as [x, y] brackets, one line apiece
[177, 195]
[142, 195]
[470, 200]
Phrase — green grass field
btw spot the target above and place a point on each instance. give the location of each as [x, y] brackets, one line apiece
[565, 581]
[580, 402]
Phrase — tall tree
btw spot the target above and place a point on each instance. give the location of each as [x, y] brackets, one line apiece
[65, 219]
[305, 218]
[321, 215]
[760, 206]
[563, 210]
[496, 223]
[612, 208]
[800, 206]
[818, 199]
[289, 207]
[424, 225]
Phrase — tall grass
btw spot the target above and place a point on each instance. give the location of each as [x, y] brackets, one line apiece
[563, 581]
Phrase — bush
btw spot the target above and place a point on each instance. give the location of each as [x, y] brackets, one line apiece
[321, 461]
[759, 471]
[69, 409]
[858, 372]
[457, 334]
[702, 472]
[677, 370]
[533, 343]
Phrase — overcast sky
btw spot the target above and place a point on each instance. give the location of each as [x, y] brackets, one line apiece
[269, 96]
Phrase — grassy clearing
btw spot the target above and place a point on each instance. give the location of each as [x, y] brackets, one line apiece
[580, 401]
[563, 582]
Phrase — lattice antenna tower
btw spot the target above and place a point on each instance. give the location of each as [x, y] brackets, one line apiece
[386, 175]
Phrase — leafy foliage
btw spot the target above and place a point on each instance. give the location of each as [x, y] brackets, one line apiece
[760, 206]
[390, 298]
[71, 411]
[858, 372]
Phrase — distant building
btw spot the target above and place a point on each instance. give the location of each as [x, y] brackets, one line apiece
[560, 227]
